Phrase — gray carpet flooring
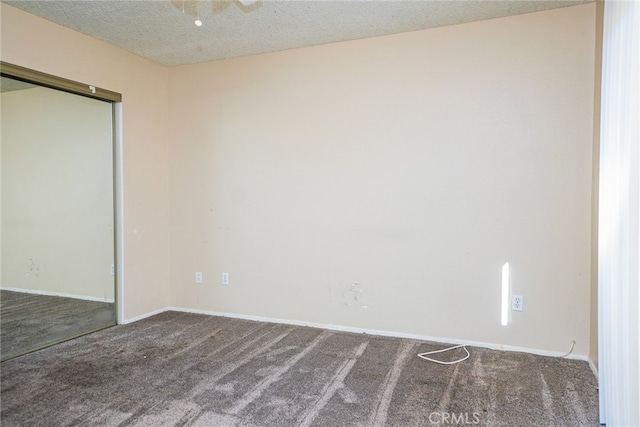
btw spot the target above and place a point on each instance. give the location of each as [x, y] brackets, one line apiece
[177, 369]
[29, 321]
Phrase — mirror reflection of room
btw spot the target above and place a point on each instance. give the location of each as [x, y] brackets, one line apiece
[57, 217]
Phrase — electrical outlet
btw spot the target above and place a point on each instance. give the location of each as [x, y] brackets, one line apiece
[225, 278]
[199, 277]
[517, 302]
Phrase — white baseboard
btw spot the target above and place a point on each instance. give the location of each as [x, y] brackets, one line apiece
[376, 332]
[144, 316]
[594, 369]
[57, 294]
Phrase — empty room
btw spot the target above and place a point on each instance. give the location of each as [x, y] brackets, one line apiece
[320, 213]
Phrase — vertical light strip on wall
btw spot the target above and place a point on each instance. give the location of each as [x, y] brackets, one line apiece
[504, 315]
[619, 217]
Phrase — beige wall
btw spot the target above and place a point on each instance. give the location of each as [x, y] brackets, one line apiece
[34, 43]
[412, 165]
[57, 194]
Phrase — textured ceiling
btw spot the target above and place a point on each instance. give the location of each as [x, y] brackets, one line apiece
[159, 30]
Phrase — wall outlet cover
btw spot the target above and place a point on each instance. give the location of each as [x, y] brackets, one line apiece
[517, 302]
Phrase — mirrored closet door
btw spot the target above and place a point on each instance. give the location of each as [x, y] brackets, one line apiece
[57, 216]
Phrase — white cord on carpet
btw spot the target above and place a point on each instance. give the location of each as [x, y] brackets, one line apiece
[570, 350]
[424, 355]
